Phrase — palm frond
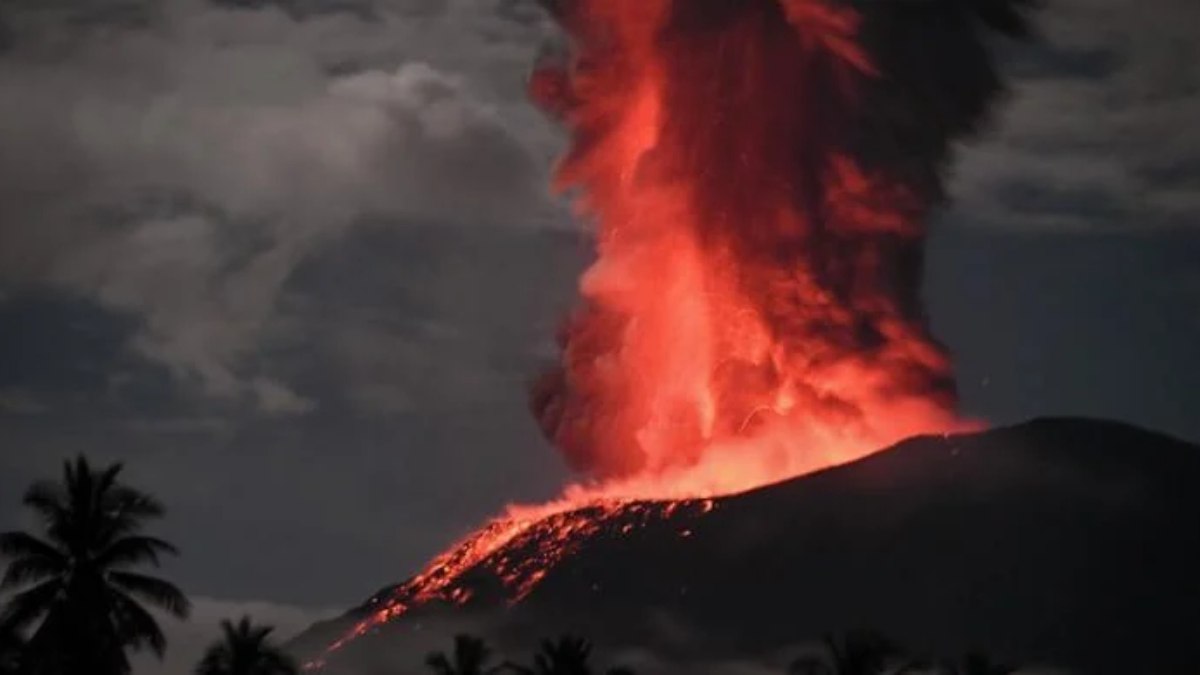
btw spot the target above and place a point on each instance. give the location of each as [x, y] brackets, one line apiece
[245, 632]
[125, 510]
[247, 643]
[78, 481]
[135, 626]
[229, 632]
[135, 550]
[470, 653]
[22, 571]
[152, 589]
[28, 606]
[136, 502]
[216, 660]
[25, 545]
[105, 480]
[47, 499]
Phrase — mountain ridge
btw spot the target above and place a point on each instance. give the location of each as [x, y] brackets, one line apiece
[1036, 541]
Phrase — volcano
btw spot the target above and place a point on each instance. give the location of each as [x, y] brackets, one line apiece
[759, 176]
[1068, 542]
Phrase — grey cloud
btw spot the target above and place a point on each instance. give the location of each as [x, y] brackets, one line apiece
[17, 401]
[182, 173]
[1099, 133]
[278, 399]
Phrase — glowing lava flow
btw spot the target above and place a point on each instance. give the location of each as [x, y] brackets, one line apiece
[517, 549]
[754, 310]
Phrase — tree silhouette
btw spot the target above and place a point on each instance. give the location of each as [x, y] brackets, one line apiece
[245, 649]
[76, 578]
[859, 653]
[470, 657]
[976, 663]
[568, 655]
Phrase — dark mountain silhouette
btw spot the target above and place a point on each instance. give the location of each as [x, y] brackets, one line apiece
[1060, 541]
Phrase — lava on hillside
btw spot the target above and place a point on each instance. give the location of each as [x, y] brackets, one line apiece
[515, 551]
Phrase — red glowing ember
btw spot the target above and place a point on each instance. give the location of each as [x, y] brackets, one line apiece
[753, 312]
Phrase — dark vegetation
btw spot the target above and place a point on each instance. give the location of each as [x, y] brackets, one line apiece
[81, 597]
[245, 649]
[858, 653]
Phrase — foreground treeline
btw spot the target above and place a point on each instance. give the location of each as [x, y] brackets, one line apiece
[78, 601]
[78, 598]
[858, 653]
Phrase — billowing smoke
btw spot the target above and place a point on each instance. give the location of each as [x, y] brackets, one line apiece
[759, 173]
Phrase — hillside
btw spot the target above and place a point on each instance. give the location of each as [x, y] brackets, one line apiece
[1063, 541]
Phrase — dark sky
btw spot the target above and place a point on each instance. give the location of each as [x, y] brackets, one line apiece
[294, 262]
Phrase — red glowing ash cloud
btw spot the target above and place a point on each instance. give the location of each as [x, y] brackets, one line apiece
[759, 185]
[753, 312]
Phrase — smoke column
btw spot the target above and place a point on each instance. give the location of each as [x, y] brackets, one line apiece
[759, 174]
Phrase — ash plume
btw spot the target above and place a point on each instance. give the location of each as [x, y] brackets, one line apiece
[759, 173]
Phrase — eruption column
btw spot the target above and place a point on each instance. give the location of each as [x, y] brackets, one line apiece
[753, 311]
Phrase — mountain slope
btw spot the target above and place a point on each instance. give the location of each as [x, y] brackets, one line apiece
[1062, 541]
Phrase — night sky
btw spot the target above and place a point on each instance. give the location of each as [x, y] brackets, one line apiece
[294, 262]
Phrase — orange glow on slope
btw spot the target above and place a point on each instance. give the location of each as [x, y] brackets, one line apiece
[753, 313]
[517, 549]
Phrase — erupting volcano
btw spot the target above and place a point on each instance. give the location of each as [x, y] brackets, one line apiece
[759, 174]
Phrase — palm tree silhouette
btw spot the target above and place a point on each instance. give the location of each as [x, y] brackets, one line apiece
[976, 663]
[77, 578]
[568, 655]
[859, 653]
[245, 649]
[470, 657]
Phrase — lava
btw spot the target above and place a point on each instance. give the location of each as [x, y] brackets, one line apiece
[517, 549]
[759, 187]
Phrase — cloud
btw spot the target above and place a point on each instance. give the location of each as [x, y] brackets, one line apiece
[16, 401]
[180, 168]
[1099, 132]
[277, 399]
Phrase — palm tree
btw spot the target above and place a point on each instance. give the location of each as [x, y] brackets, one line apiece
[859, 653]
[245, 649]
[77, 577]
[566, 656]
[471, 656]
